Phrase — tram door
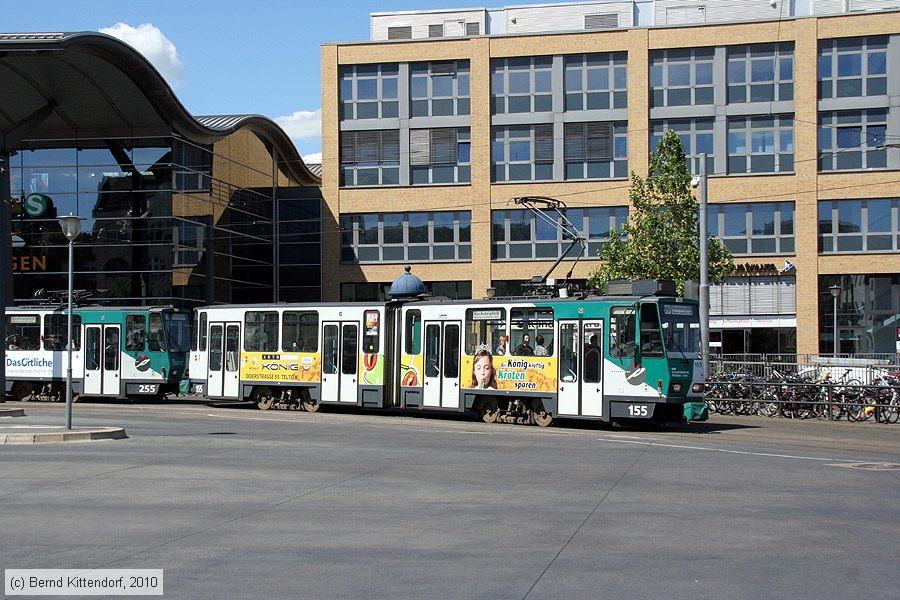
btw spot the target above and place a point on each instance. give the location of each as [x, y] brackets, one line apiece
[580, 368]
[101, 360]
[223, 360]
[340, 362]
[441, 376]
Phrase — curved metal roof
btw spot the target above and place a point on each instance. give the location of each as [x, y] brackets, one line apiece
[98, 86]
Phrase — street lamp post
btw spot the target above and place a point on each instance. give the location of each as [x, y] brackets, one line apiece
[704, 270]
[835, 293]
[71, 227]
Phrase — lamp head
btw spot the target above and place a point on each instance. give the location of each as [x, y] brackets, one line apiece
[71, 226]
[695, 181]
[835, 290]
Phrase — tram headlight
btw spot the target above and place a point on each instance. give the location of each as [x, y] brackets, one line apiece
[697, 388]
[676, 388]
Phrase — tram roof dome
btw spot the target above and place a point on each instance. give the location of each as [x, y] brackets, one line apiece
[407, 286]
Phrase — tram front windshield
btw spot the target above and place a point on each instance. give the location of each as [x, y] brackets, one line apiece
[178, 331]
[681, 329]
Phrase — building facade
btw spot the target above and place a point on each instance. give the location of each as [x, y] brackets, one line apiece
[175, 209]
[433, 126]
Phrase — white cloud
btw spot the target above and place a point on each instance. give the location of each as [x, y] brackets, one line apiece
[156, 47]
[302, 125]
[315, 157]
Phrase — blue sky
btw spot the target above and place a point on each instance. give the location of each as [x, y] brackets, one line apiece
[229, 56]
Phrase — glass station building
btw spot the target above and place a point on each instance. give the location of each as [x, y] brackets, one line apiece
[175, 209]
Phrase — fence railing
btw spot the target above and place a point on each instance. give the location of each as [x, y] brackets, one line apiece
[814, 394]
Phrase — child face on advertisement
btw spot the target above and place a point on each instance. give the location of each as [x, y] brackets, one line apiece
[483, 370]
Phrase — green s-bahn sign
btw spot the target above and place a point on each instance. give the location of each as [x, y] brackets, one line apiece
[36, 205]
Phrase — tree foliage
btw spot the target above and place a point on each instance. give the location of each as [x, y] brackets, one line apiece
[661, 238]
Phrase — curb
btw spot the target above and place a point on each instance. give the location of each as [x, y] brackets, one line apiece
[55, 437]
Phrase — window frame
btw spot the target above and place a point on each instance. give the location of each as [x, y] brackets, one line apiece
[742, 57]
[357, 249]
[665, 60]
[387, 106]
[502, 72]
[782, 160]
[460, 94]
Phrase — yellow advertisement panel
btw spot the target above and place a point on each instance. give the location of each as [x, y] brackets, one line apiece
[411, 370]
[518, 373]
[259, 366]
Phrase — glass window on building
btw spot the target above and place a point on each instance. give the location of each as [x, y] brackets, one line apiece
[596, 150]
[368, 91]
[763, 144]
[521, 85]
[370, 158]
[191, 166]
[522, 153]
[438, 156]
[455, 290]
[520, 235]
[396, 237]
[866, 314]
[696, 137]
[753, 228]
[853, 67]
[869, 225]
[681, 77]
[596, 81]
[438, 89]
[365, 292]
[761, 73]
[851, 140]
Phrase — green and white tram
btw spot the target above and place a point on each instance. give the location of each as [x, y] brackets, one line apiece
[117, 352]
[615, 357]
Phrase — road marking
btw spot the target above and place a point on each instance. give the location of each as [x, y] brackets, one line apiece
[706, 449]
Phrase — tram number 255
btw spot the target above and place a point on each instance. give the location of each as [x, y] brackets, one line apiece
[637, 410]
[147, 388]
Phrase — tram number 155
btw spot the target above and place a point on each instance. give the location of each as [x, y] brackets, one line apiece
[638, 410]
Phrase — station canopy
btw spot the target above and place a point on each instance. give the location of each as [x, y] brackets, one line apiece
[65, 86]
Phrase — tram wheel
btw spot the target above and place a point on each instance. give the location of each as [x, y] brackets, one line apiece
[488, 410]
[310, 406]
[541, 417]
[22, 391]
[263, 398]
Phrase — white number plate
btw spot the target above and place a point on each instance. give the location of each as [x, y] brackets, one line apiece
[638, 410]
[147, 388]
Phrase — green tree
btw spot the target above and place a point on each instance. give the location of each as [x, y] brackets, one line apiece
[661, 238]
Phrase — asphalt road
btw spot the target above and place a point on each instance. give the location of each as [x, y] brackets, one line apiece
[236, 503]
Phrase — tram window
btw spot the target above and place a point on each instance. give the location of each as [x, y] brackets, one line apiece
[176, 329]
[111, 349]
[413, 332]
[232, 344]
[56, 329]
[370, 335]
[330, 350]
[593, 355]
[135, 333]
[568, 352]
[92, 354]
[155, 341]
[202, 345]
[432, 350]
[261, 331]
[651, 338]
[484, 327]
[451, 351]
[23, 332]
[622, 332]
[299, 331]
[348, 343]
[215, 348]
[532, 322]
